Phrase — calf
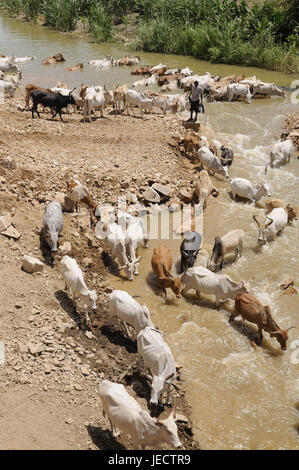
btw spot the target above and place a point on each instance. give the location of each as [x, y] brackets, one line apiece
[232, 242]
[50, 100]
[205, 281]
[272, 225]
[249, 190]
[252, 310]
[76, 67]
[129, 311]
[80, 195]
[95, 98]
[116, 240]
[125, 413]
[52, 226]
[210, 161]
[189, 249]
[203, 189]
[161, 264]
[75, 285]
[158, 359]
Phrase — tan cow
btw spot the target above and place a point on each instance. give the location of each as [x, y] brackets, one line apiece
[252, 310]
[161, 264]
[29, 88]
[79, 194]
[76, 67]
[119, 95]
[275, 202]
[54, 59]
[203, 189]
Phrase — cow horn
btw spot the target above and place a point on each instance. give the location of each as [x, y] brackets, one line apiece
[291, 328]
[137, 260]
[256, 221]
[72, 91]
[169, 376]
[269, 223]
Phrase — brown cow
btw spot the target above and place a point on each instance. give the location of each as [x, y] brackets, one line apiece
[76, 67]
[275, 202]
[252, 310]
[79, 194]
[54, 59]
[29, 88]
[161, 264]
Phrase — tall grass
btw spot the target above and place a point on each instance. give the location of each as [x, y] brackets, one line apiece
[261, 33]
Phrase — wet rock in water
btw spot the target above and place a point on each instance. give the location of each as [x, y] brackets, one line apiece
[151, 195]
[32, 265]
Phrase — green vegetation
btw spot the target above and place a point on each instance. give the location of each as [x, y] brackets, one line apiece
[257, 33]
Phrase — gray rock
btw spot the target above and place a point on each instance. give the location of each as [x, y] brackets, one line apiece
[151, 195]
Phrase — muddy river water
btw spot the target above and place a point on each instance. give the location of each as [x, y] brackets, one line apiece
[241, 397]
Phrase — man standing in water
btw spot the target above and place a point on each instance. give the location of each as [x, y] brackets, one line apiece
[196, 93]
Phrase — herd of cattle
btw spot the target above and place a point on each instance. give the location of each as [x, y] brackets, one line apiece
[91, 98]
[128, 234]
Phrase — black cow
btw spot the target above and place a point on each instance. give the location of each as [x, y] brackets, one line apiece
[189, 250]
[54, 101]
[227, 156]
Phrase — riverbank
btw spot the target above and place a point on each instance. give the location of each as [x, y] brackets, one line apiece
[261, 35]
[53, 362]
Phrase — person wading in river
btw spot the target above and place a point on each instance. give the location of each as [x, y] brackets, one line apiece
[196, 93]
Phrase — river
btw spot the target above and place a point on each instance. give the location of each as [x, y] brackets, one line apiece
[241, 397]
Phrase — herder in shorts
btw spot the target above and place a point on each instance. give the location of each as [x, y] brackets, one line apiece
[195, 95]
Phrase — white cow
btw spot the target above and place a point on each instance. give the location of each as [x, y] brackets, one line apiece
[95, 98]
[135, 237]
[244, 188]
[157, 67]
[134, 98]
[272, 225]
[205, 281]
[186, 71]
[116, 240]
[158, 358]
[75, 285]
[267, 90]
[52, 225]
[129, 311]
[7, 88]
[236, 90]
[125, 413]
[9, 67]
[141, 82]
[280, 154]
[152, 80]
[210, 161]
[165, 103]
[170, 86]
[16, 60]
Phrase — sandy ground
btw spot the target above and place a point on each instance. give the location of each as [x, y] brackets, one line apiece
[48, 398]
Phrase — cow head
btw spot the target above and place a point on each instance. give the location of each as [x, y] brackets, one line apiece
[281, 336]
[157, 389]
[173, 283]
[189, 258]
[169, 430]
[53, 239]
[292, 212]
[265, 189]
[129, 268]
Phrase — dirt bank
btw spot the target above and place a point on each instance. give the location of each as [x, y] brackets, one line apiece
[48, 393]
